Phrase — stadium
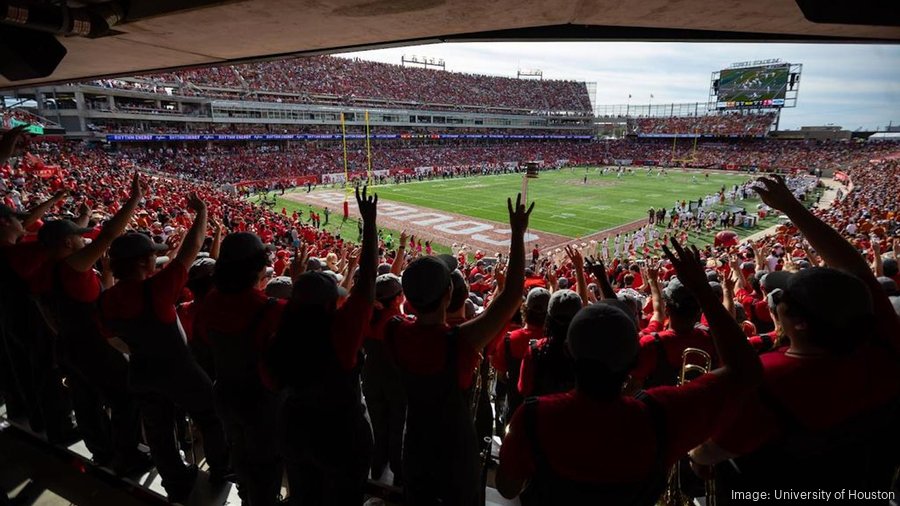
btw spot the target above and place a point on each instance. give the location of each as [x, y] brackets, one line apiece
[321, 279]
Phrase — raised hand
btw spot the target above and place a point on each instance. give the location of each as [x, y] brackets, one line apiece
[729, 282]
[775, 193]
[689, 267]
[10, 140]
[195, 203]
[575, 257]
[598, 269]
[518, 216]
[353, 257]
[404, 237]
[368, 204]
[500, 275]
[137, 191]
[298, 262]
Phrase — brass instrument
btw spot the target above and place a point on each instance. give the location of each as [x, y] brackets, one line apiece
[694, 363]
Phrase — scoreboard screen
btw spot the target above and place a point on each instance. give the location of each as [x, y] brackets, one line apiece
[753, 86]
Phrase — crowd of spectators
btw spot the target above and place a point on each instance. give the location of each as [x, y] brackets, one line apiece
[724, 124]
[239, 162]
[802, 327]
[21, 115]
[349, 80]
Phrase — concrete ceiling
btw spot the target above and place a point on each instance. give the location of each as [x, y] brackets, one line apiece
[253, 29]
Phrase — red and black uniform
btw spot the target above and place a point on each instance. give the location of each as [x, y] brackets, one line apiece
[33, 375]
[757, 310]
[576, 449]
[834, 417]
[546, 369]
[97, 374]
[440, 451]
[660, 355]
[162, 372]
[326, 438]
[238, 328]
[507, 360]
[385, 400]
[765, 342]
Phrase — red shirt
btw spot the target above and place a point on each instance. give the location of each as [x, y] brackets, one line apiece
[81, 286]
[591, 441]
[25, 258]
[820, 392]
[125, 300]
[234, 312]
[518, 346]
[526, 371]
[673, 344]
[422, 350]
[349, 328]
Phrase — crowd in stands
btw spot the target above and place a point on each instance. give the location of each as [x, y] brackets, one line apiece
[269, 333]
[21, 115]
[354, 79]
[196, 127]
[725, 124]
[233, 163]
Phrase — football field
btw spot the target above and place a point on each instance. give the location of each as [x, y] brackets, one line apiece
[472, 210]
[565, 204]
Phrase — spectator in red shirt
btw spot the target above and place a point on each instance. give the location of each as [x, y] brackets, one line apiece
[546, 367]
[828, 401]
[595, 445]
[317, 358]
[200, 283]
[31, 382]
[660, 356]
[97, 373]
[437, 362]
[511, 349]
[382, 385]
[237, 321]
[163, 375]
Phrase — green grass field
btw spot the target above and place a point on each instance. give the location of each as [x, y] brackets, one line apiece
[565, 205]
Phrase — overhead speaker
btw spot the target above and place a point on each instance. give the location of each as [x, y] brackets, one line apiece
[851, 12]
[28, 54]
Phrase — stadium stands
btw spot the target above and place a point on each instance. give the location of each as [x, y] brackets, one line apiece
[349, 81]
[719, 125]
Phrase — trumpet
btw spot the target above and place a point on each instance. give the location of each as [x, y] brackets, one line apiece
[694, 363]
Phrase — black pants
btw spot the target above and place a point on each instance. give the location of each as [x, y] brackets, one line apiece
[327, 458]
[98, 377]
[387, 410]
[16, 407]
[249, 419]
[192, 392]
[38, 381]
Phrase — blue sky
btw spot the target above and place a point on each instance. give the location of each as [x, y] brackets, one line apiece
[852, 85]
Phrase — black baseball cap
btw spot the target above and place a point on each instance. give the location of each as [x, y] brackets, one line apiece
[387, 286]
[56, 231]
[775, 280]
[606, 334]
[426, 279]
[317, 288]
[241, 246]
[133, 245]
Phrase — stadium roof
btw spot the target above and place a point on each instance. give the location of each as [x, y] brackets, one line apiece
[154, 36]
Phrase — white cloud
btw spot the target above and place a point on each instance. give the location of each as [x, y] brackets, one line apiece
[854, 85]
